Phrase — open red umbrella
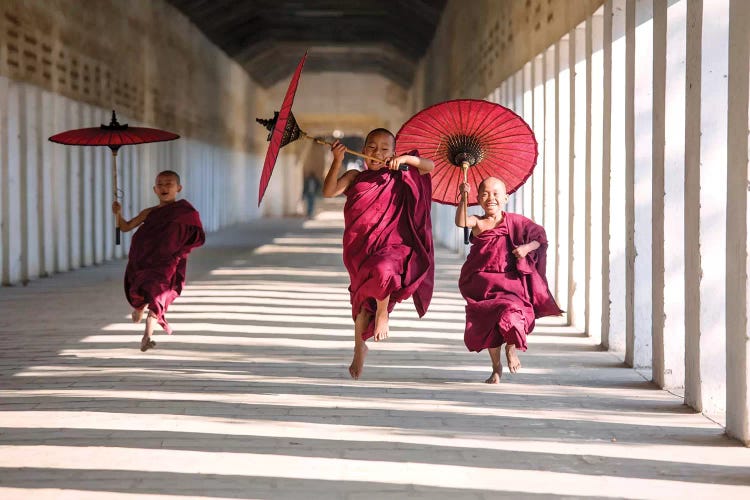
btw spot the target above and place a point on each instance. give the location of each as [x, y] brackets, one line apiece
[114, 135]
[470, 140]
[283, 129]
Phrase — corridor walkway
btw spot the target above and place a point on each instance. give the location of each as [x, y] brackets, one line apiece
[251, 398]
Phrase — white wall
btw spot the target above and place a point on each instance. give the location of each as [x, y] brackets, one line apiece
[55, 200]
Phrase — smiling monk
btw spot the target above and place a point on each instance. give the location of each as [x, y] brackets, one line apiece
[503, 279]
[157, 262]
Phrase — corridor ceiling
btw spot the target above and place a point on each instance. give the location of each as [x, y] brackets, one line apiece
[268, 37]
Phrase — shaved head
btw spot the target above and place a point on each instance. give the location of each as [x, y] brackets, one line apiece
[488, 182]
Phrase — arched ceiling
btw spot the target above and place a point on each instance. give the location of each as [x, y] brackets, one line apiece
[267, 37]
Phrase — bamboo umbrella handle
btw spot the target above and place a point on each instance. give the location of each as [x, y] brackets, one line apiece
[355, 153]
[465, 168]
[114, 193]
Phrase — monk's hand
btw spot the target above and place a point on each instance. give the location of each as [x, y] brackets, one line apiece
[395, 162]
[464, 187]
[338, 150]
[116, 208]
[521, 251]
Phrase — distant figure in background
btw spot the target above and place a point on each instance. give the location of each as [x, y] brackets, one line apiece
[310, 190]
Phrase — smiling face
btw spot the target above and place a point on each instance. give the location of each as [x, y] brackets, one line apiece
[166, 187]
[492, 196]
[381, 145]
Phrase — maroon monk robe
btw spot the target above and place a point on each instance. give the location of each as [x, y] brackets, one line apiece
[158, 257]
[504, 295]
[388, 240]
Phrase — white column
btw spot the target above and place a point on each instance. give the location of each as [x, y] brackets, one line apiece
[3, 174]
[528, 116]
[537, 185]
[629, 180]
[606, 137]
[642, 166]
[596, 86]
[60, 155]
[87, 192]
[588, 47]
[668, 234]
[738, 341]
[577, 293]
[46, 117]
[550, 166]
[73, 189]
[564, 238]
[30, 200]
[705, 204]
[616, 146]
[12, 212]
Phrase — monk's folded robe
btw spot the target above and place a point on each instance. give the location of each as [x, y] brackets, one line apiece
[388, 240]
[504, 295]
[157, 261]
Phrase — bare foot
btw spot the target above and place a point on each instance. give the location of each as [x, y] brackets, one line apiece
[381, 325]
[137, 315]
[147, 343]
[358, 362]
[514, 364]
[495, 377]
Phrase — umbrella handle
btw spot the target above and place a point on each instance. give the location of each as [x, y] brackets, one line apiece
[465, 168]
[114, 192]
[355, 153]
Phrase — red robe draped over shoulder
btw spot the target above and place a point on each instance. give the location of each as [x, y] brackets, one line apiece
[388, 240]
[504, 295]
[157, 261]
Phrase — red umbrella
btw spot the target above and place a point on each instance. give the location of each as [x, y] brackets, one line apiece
[114, 136]
[470, 140]
[283, 129]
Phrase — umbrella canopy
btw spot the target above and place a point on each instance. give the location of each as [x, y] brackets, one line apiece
[280, 134]
[488, 139]
[114, 136]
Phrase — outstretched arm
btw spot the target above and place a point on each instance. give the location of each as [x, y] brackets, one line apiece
[424, 165]
[128, 225]
[333, 185]
[471, 220]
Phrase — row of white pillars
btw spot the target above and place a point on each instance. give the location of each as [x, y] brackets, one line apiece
[55, 200]
[642, 184]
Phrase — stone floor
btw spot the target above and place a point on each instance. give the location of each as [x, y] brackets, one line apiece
[251, 398]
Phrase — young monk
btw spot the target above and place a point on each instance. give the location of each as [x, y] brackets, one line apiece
[387, 236]
[503, 279]
[157, 261]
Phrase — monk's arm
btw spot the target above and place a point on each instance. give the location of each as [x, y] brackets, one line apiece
[470, 221]
[128, 225]
[523, 250]
[335, 185]
[424, 165]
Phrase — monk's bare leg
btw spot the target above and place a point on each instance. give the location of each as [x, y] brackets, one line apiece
[381, 319]
[137, 314]
[146, 342]
[497, 366]
[360, 347]
[514, 364]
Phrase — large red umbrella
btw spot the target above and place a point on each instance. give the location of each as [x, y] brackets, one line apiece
[114, 136]
[470, 140]
[283, 129]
